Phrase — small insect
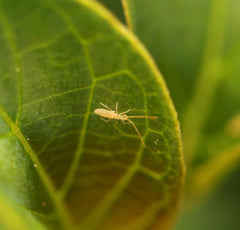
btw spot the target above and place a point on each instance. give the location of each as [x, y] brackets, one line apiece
[111, 114]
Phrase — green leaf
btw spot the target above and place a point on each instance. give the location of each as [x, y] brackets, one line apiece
[14, 217]
[58, 159]
[196, 46]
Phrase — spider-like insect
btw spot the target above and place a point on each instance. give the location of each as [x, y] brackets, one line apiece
[111, 114]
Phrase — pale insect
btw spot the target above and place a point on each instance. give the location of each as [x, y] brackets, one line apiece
[111, 114]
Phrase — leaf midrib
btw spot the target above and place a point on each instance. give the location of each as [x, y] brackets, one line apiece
[59, 206]
[63, 217]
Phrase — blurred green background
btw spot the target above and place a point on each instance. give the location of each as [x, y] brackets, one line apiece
[220, 211]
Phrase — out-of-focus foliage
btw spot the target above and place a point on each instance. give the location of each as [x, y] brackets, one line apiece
[220, 211]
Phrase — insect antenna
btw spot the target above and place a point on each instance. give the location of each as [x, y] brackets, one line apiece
[134, 126]
[105, 106]
[150, 117]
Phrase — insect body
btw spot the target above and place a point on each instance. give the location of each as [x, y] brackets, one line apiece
[111, 114]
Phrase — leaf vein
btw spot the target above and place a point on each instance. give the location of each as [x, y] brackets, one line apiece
[59, 206]
[56, 95]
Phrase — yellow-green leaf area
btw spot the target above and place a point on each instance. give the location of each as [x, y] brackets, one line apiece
[62, 163]
[17, 217]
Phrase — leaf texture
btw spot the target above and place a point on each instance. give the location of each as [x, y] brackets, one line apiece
[58, 60]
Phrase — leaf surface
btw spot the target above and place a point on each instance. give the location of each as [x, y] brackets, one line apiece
[58, 159]
[13, 217]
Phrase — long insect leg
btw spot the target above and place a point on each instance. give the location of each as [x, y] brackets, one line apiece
[125, 112]
[105, 106]
[116, 110]
[139, 134]
[105, 120]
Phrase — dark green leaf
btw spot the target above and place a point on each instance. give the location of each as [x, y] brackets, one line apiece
[58, 60]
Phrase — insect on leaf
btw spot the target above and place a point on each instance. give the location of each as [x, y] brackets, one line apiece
[58, 159]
